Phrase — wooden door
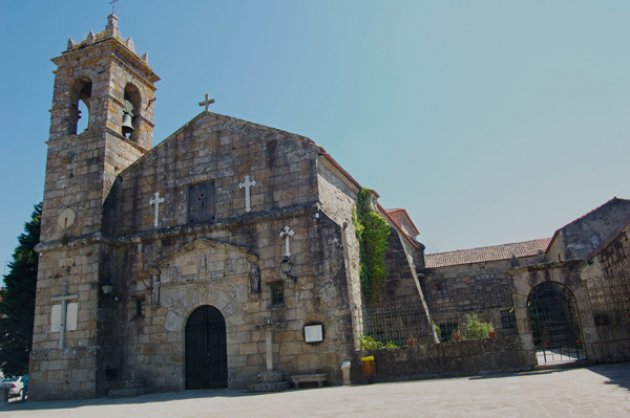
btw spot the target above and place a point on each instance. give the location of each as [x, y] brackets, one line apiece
[206, 351]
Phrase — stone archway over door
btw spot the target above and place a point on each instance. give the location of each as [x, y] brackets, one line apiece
[554, 323]
[206, 350]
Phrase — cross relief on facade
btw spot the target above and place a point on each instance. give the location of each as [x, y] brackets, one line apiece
[287, 233]
[155, 202]
[247, 184]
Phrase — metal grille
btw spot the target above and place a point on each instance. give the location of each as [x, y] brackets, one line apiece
[393, 323]
[610, 302]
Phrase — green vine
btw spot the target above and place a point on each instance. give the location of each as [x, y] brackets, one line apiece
[372, 233]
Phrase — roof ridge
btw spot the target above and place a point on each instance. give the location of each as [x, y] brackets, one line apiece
[492, 246]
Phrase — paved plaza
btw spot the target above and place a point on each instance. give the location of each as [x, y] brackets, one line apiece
[600, 391]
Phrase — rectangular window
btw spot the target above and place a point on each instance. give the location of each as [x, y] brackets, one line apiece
[508, 320]
[201, 202]
[277, 293]
[447, 329]
[139, 307]
[441, 290]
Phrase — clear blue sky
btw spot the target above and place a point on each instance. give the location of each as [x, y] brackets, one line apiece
[489, 121]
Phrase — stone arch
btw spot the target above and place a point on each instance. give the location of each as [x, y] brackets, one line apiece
[132, 110]
[80, 102]
[553, 316]
[564, 274]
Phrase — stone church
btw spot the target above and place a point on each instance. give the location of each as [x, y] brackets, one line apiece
[227, 257]
[225, 251]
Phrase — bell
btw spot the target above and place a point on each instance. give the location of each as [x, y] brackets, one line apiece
[127, 124]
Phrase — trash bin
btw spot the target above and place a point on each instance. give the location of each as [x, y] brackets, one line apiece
[368, 368]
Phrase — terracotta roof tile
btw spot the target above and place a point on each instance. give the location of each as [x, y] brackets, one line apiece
[483, 254]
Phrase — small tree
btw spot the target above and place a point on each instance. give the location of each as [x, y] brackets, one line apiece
[17, 304]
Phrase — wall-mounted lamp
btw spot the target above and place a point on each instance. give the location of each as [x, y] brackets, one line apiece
[286, 266]
[108, 290]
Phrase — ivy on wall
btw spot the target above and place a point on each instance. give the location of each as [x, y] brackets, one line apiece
[372, 233]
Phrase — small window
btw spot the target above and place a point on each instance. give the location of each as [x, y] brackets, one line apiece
[508, 320]
[201, 202]
[441, 291]
[447, 329]
[277, 293]
[139, 307]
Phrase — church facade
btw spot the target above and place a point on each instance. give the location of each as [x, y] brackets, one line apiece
[225, 251]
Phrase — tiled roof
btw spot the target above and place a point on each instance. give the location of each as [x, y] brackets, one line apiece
[398, 215]
[482, 254]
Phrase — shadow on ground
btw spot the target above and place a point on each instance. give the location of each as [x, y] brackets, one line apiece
[618, 374]
[153, 397]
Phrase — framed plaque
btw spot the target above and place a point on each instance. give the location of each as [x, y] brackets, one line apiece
[313, 333]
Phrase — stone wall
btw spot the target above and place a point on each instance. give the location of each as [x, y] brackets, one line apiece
[450, 358]
[608, 285]
[484, 289]
[69, 372]
[580, 237]
[337, 195]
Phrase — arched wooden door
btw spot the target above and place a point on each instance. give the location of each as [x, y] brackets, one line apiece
[206, 351]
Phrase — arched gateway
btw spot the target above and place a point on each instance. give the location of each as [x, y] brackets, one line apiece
[206, 351]
[554, 323]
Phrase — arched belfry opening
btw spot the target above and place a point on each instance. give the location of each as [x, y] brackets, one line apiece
[131, 111]
[206, 349]
[554, 321]
[80, 106]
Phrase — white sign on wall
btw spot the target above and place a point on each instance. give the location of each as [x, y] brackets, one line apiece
[314, 333]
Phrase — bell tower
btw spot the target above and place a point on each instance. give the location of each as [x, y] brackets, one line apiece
[101, 123]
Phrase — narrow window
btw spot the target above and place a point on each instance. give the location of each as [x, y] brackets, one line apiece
[79, 117]
[140, 307]
[277, 293]
[131, 111]
[508, 320]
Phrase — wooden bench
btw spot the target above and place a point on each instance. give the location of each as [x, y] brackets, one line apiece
[320, 378]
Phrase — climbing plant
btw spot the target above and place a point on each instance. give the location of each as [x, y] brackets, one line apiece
[372, 233]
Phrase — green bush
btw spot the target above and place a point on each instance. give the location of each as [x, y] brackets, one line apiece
[368, 343]
[476, 329]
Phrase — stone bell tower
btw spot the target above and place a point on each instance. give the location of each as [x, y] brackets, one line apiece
[101, 122]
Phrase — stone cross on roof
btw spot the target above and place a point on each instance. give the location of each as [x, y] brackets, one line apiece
[113, 3]
[207, 102]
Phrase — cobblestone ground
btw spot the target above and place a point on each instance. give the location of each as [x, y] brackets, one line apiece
[601, 391]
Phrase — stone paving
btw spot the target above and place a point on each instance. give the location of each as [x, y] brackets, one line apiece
[600, 391]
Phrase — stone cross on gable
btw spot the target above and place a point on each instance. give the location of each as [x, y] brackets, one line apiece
[60, 314]
[155, 202]
[247, 185]
[207, 102]
[286, 233]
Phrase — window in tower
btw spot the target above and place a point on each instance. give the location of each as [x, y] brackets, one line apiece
[79, 117]
[131, 111]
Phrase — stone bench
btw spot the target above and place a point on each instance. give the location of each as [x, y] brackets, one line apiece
[320, 378]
